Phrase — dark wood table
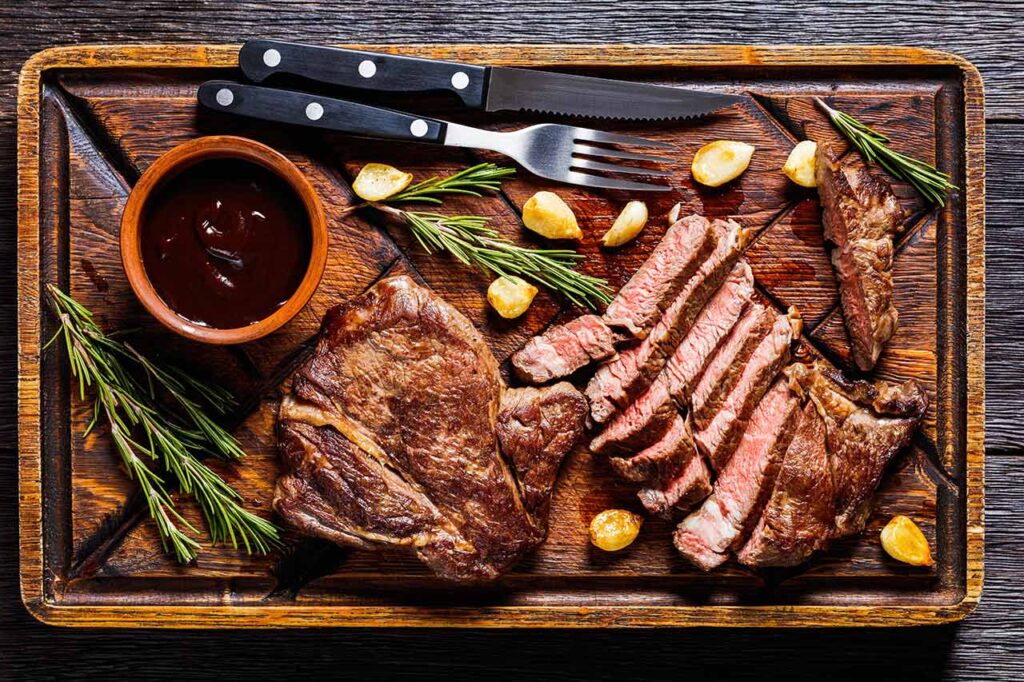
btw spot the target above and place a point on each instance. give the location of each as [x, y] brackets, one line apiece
[987, 645]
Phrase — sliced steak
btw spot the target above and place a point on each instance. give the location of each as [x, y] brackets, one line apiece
[624, 378]
[536, 428]
[865, 425]
[711, 328]
[681, 494]
[564, 349]
[861, 215]
[379, 447]
[646, 418]
[640, 425]
[650, 291]
[705, 536]
[718, 440]
[726, 365]
[662, 461]
[799, 516]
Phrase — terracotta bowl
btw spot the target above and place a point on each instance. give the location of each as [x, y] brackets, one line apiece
[170, 165]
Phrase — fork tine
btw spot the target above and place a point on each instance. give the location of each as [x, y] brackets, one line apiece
[590, 164]
[617, 154]
[587, 180]
[590, 135]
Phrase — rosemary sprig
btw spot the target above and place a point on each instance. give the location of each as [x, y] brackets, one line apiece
[928, 180]
[473, 243]
[141, 428]
[472, 181]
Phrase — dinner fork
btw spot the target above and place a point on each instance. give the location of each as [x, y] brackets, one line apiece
[562, 153]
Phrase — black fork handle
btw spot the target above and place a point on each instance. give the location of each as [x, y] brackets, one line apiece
[260, 59]
[300, 108]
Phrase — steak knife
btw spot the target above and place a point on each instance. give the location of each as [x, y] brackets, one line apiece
[491, 88]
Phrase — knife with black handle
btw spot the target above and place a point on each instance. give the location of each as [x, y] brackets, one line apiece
[491, 88]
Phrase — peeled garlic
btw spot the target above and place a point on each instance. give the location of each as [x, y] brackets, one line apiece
[378, 181]
[546, 214]
[674, 213]
[799, 167]
[904, 541]
[614, 529]
[510, 296]
[720, 161]
[628, 225]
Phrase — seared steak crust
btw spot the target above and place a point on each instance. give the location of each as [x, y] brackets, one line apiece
[380, 448]
[861, 215]
[800, 515]
[865, 425]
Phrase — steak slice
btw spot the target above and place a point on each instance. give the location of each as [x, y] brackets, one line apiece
[712, 327]
[718, 440]
[680, 494]
[647, 418]
[801, 511]
[640, 303]
[865, 425]
[640, 425]
[622, 379]
[726, 365]
[379, 447]
[661, 462]
[861, 215]
[564, 349]
[537, 427]
[742, 485]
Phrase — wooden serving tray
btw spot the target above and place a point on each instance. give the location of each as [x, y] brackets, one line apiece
[91, 119]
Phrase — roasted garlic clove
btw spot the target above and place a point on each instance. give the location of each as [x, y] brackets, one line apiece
[378, 181]
[510, 296]
[799, 167]
[720, 161]
[904, 541]
[628, 225]
[614, 529]
[674, 213]
[546, 214]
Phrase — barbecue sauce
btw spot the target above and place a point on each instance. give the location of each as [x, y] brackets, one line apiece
[225, 243]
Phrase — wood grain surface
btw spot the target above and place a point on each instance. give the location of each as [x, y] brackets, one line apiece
[984, 646]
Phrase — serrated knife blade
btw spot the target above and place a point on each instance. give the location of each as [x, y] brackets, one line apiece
[511, 89]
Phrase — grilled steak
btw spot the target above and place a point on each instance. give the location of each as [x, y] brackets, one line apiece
[564, 349]
[718, 440]
[705, 536]
[623, 379]
[379, 447]
[641, 302]
[660, 462]
[726, 365]
[800, 515]
[712, 327]
[536, 427]
[865, 425]
[646, 418]
[681, 493]
[860, 215]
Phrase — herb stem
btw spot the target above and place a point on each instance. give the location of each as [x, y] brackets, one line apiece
[926, 179]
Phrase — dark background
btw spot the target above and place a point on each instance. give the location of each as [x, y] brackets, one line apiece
[986, 646]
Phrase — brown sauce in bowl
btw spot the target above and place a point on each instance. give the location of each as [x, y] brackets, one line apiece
[225, 243]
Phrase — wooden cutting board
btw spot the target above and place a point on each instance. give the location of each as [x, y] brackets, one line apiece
[91, 119]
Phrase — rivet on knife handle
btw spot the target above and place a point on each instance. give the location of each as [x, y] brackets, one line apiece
[300, 108]
[365, 70]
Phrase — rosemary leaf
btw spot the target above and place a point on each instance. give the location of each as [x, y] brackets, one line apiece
[472, 181]
[470, 241]
[926, 179]
[142, 429]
